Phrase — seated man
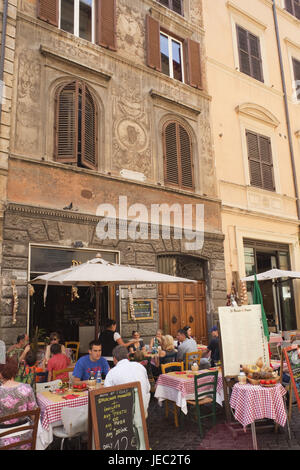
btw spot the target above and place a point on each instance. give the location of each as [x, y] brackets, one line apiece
[92, 362]
[126, 371]
[186, 345]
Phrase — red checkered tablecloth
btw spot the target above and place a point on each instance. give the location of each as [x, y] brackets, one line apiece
[253, 402]
[184, 384]
[51, 411]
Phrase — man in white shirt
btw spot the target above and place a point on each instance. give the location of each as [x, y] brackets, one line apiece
[126, 371]
[186, 345]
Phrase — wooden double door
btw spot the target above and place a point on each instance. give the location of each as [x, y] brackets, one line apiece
[183, 304]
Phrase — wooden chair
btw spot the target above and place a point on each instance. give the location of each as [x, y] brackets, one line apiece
[191, 357]
[74, 346]
[172, 367]
[205, 392]
[21, 429]
[55, 373]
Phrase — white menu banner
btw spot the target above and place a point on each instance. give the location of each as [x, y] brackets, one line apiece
[243, 339]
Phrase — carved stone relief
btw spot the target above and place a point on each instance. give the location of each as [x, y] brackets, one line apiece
[131, 129]
[130, 31]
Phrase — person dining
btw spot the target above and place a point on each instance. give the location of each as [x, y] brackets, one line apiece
[19, 350]
[155, 342]
[15, 397]
[166, 354]
[58, 361]
[186, 345]
[90, 363]
[138, 345]
[27, 370]
[54, 339]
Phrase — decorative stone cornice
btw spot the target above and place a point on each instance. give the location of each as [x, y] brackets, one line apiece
[160, 97]
[255, 111]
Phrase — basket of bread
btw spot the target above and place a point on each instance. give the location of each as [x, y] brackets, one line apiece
[260, 374]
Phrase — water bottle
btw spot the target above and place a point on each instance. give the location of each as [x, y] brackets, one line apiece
[98, 379]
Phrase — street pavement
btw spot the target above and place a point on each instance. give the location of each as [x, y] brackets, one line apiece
[163, 435]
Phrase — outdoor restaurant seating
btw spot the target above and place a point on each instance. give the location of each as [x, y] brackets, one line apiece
[74, 424]
[172, 367]
[55, 373]
[191, 357]
[40, 387]
[74, 346]
[29, 420]
[205, 393]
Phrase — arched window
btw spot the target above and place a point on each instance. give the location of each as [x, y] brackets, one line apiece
[75, 126]
[178, 160]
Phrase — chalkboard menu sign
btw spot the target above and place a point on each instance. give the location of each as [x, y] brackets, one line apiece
[293, 362]
[143, 309]
[117, 418]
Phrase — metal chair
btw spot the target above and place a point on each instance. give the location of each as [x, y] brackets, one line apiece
[75, 424]
[55, 373]
[28, 420]
[191, 357]
[205, 392]
[172, 367]
[41, 387]
[74, 346]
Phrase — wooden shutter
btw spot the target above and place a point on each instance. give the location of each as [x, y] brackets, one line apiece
[106, 23]
[178, 156]
[66, 124]
[48, 11]
[260, 161]
[153, 43]
[193, 63]
[88, 131]
[249, 54]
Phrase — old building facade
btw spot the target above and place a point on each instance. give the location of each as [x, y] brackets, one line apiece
[107, 104]
[253, 72]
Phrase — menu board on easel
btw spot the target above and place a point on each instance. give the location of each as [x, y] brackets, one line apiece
[242, 337]
[117, 418]
[293, 362]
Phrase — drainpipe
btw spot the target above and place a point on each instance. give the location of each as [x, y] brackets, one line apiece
[3, 41]
[288, 122]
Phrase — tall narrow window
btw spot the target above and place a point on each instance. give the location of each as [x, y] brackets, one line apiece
[75, 126]
[171, 57]
[249, 54]
[260, 161]
[296, 86]
[178, 162]
[77, 17]
[293, 7]
[175, 5]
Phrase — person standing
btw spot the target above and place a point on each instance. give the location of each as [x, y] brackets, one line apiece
[214, 346]
[91, 363]
[126, 371]
[109, 339]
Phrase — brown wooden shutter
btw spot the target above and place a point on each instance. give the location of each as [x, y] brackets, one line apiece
[88, 131]
[249, 54]
[255, 57]
[178, 156]
[243, 50]
[260, 161]
[153, 43]
[48, 11]
[193, 63]
[289, 6]
[66, 124]
[106, 24]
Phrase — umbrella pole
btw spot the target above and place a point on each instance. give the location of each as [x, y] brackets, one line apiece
[97, 317]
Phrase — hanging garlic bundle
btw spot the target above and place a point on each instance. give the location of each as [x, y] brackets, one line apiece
[131, 304]
[74, 294]
[15, 302]
[244, 295]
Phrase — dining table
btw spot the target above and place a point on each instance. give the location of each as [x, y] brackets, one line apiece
[51, 405]
[179, 387]
[257, 402]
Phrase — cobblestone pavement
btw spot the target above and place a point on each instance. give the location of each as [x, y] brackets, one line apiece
[163, 435]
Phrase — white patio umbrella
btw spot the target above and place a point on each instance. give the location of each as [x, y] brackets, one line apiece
[98, 273]
[273, 274]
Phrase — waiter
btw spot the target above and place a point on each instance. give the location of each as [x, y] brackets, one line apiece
[109, 339]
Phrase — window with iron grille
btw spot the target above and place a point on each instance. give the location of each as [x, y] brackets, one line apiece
[260, 161]
[249, 54]
[178, 160]
[175, 5]
[75, 126]
[293, 7]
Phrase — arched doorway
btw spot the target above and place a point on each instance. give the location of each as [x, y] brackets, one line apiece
[184, 303]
